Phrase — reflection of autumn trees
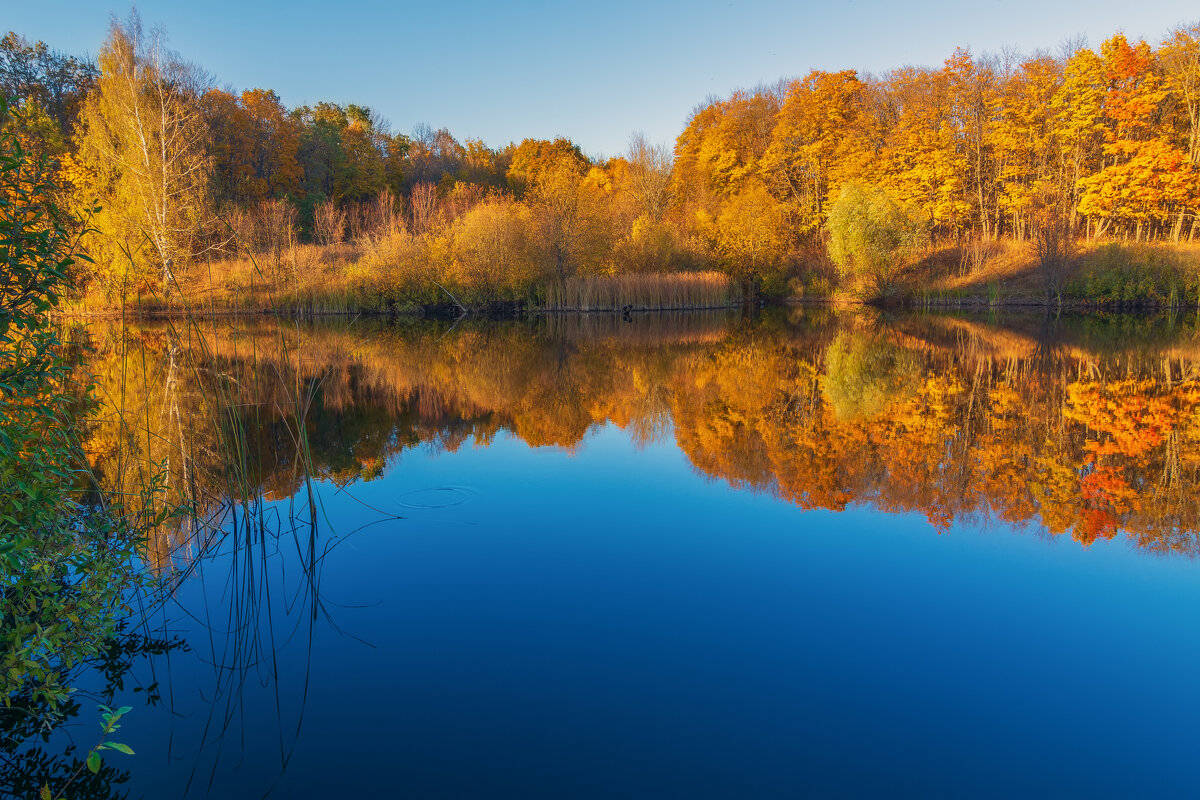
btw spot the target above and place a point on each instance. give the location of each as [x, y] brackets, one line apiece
[938, 416]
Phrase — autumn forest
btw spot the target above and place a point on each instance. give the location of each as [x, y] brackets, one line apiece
[1069, 175]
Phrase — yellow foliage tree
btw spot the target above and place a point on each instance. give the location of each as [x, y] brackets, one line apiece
[752, 235]
[823, 137]
[142, 152]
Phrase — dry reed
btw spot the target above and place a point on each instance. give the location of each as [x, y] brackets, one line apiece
[646, 291]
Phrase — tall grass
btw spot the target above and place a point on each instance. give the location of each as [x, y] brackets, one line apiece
[68, 551]
[403, 272]
[167, 452]
[1160, 275]
[650, 291]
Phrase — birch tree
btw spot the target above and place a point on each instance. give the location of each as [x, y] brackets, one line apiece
[143, 141]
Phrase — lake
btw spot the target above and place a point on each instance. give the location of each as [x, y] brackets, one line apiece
[679, 555]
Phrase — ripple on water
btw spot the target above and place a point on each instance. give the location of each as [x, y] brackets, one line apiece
[437, 497]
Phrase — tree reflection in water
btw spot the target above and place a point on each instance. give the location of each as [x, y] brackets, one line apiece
[1082, 427]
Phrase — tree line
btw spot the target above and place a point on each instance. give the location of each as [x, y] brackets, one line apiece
[840, 173]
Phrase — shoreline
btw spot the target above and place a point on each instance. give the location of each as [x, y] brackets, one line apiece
[514, 310]
[417, 313]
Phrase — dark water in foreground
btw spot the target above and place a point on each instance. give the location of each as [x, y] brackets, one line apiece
[672, 557]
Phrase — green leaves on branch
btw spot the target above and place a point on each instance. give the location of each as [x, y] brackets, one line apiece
[109, 725]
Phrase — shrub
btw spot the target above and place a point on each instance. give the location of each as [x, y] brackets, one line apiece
[872, 235]
[1157, 275]
[63, 571]
[495, 251]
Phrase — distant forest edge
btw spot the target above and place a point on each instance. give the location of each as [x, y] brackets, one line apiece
[1067, 178]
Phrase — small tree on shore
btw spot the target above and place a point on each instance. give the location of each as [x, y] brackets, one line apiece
[649, 176]
[329, 223]
[567, 213]
[872, 235]
[1052, 238]
[751, 235]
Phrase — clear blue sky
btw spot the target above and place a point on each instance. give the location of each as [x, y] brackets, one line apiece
[503, 71]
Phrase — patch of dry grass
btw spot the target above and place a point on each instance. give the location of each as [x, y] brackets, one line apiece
[1008, 272]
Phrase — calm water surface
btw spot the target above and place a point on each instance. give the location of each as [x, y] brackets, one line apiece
[693, 556]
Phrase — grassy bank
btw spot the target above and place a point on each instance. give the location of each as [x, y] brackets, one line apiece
[401, 273]
[1102, 275]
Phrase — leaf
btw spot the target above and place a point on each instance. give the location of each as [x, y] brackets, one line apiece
[121, 748]
[93, 762]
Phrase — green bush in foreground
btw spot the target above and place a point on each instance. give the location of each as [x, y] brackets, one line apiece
[65, 570]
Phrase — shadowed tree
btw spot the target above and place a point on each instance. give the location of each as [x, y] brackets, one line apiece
[52, 80]
[648, 176]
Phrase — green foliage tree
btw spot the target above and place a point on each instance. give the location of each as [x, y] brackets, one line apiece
[34, 74]
[872, 235]
[864, 374]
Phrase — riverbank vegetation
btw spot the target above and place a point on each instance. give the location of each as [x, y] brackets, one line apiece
[76, 596]
[903, 185]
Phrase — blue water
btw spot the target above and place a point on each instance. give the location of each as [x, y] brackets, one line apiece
[609, 622]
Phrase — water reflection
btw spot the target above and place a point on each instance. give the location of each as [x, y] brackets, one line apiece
[286, 438]
[1085, 428]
